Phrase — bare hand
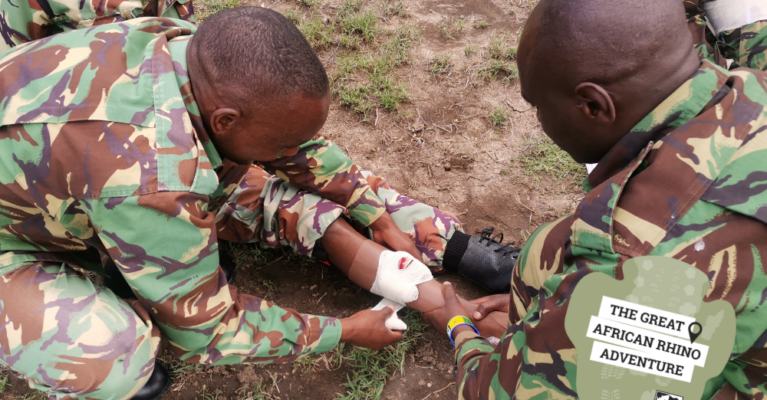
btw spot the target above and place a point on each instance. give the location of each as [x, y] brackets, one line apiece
[453, 307]
[387, 233]
[488, 304]
[493, 324]
[367, 329]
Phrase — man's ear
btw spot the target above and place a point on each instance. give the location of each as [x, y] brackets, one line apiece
[595, 103]
[222, 120]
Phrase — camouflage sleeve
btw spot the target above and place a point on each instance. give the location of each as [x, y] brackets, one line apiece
[479, 367]
[703, 39]
[486, 371]
[322, 168]
[746, 46]
[165, 245]
[263, 208]
[24, 21]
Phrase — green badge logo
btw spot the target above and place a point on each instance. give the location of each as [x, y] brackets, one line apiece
[650, 336]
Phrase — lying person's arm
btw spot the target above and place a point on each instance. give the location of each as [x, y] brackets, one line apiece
[165, 245]
[343, 245]
[321, 167]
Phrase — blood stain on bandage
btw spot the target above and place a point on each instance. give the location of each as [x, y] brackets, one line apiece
[404, 263]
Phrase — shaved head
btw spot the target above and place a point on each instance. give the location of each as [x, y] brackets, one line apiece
[594, 68]
[606, 41]
[260, 87]
[258, 56]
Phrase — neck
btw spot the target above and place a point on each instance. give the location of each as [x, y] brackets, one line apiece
[641, 95]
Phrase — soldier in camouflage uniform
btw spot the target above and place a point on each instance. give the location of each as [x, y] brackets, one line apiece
[681, 151]
[745, 46]
[106, 148]
[22, 21]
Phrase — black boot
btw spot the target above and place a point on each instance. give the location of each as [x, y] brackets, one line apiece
[482, 259]
[156, 386]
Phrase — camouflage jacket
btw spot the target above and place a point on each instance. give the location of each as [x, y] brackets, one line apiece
[102, 146]
[22, 21]
[691, 171]
[745, 46]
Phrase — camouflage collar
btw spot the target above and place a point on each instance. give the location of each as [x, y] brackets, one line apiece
[178, 47]
[678, 109]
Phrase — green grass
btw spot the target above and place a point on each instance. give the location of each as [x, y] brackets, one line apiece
[292, 16]
[542, 156]
[369, 370]
[350, 41]
[317, 32]
[499, 50]
[390, 9]
[481, 24]
[259, 391]
[208, 396]
[364, 81]
[4, 382]
[499, 116]
[366, 53]
[349, 7]
[452, 28]
[205, 8]
[440, 64]
[364, 24]
[501, 62]
[34, 395]
[470, 49]
[309, 3]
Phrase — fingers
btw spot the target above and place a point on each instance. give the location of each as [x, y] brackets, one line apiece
[413, 251]
[480, 312]
[387, 312]
[480, 300]
[449, 292]
[493, 303]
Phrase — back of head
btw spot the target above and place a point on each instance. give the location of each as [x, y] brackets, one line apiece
[606, 41]
[595, 68]
[256, 56]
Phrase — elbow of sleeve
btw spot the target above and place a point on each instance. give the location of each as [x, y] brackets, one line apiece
[195, 322]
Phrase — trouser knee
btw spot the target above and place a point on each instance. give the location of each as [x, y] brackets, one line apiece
[68, 336]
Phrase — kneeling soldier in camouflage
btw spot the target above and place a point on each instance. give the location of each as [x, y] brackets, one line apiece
[136, 140]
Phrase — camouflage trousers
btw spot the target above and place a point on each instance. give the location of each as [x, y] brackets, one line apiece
[74, 339]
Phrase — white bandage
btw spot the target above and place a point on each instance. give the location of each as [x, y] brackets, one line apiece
[731, 14]
[398, 275]
[393, 322]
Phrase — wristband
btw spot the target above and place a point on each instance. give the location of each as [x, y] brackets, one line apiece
[457, 321]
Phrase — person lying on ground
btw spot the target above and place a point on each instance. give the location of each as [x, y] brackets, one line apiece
[137, 140]
[680, 149]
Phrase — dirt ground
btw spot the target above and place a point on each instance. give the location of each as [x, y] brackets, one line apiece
[440, 147]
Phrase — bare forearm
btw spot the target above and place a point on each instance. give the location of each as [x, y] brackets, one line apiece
[343, 244]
